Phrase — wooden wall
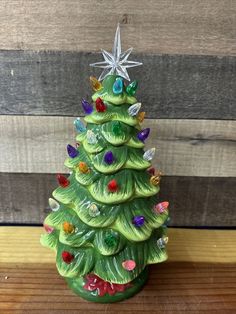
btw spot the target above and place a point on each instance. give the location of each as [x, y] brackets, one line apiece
[187, 85]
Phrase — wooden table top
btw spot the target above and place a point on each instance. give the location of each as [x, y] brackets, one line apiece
[199, 277]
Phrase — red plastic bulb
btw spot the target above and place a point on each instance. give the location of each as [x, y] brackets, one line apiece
[67, 257]
[112, 186]
[151, 171]
[100, 106]
[62, 180]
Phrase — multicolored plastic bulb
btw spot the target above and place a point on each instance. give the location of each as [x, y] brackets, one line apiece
[88, 108]
[161, 207]
[129, 265]
[72, 151]
[118, 86]
[151, 171]
[67, 257]
[100, 106]
[143, 135]
[149, 154]
[80, 127]
[83, 167]
[93, 210]
[48, 228]
[141, 116]
[155, 180]
[116, 128]
[54, 205]
[96, 85]
[134, 109]
[131, 88]
[91, 137]
[112, 186]
[166, 222]
[138, 221]
[109, 157]
[68, 227]
[162, 242]
[62, 180]
[110, 240]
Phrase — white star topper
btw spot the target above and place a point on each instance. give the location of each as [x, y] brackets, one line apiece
[116, 62]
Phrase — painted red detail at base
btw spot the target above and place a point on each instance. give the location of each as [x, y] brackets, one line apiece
[94, 282]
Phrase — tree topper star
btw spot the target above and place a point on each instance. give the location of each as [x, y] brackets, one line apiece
[116, 62]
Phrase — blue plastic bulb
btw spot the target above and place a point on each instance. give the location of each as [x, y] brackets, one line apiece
[80, 127]
[72, 152]
[138, 221]
[109, 158]
[118, 86]
[88, 108]
[143, 135]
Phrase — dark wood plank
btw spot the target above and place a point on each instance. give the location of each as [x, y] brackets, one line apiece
[200, 201]
[171, 86]
[194, 201]
[173, 287]
[178, 27]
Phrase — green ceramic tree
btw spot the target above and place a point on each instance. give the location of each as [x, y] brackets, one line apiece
[106, 225]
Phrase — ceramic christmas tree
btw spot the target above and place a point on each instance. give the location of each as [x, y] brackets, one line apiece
[106, 223]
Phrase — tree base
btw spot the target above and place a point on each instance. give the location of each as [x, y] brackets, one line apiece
[78, 286]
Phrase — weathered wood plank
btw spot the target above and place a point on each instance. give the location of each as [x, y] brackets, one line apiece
[173, 287]
[179, 27]
[194, 201]
[184, 147]
[200, 201]
[171, 86]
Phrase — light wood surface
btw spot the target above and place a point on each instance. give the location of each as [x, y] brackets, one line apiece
[184, 147]
[22, 245]
[181, 27]
[199, 277]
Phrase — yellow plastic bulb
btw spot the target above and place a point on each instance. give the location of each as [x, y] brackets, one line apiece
[141, 116]
[155, 180]
[83, 167]
[68, 227]
[96, 85]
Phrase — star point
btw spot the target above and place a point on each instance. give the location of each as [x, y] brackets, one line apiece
[116, 62]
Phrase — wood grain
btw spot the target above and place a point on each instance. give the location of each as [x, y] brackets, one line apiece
[179, 27]
[199, 277]
[171, 86]
[173, 288]
[185, 245]
[194, 201]
[184, 147]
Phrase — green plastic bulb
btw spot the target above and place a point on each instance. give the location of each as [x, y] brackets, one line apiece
[110, 240]
[116, 128]
[131, 88]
